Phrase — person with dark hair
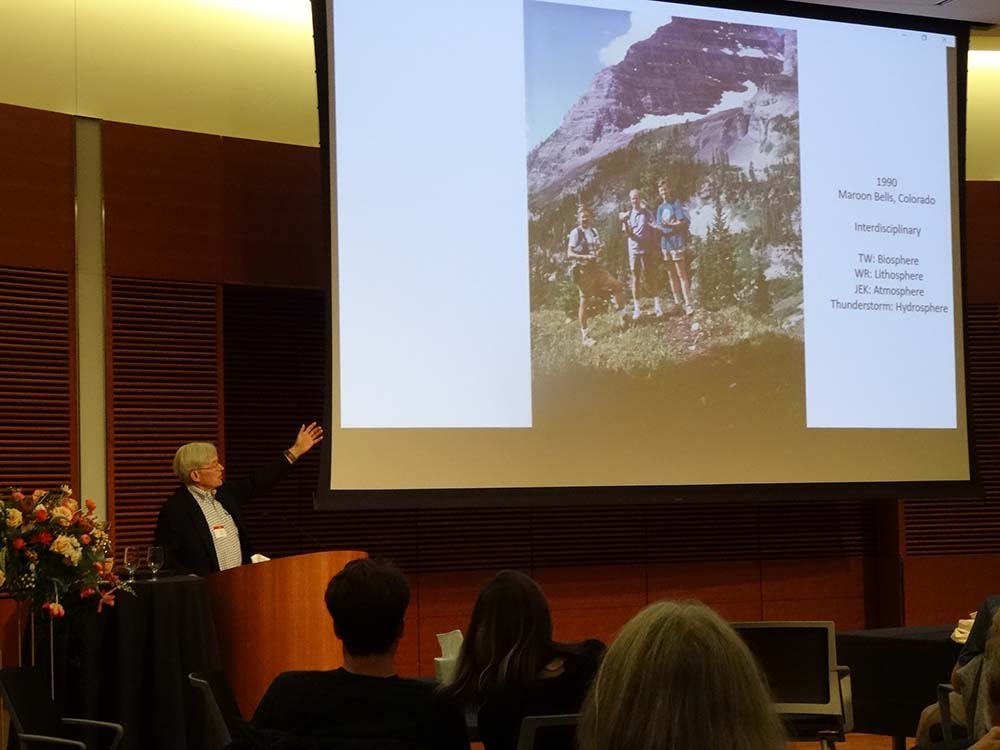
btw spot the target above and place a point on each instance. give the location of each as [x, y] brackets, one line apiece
[509, 666]
[364, 704]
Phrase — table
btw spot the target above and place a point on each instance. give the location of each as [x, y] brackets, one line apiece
[894, 675]
[130, 664]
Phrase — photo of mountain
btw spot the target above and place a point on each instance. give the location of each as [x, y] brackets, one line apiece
[677, 139]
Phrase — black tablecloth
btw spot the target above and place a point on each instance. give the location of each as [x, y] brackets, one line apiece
[130, 664]
[894, 674]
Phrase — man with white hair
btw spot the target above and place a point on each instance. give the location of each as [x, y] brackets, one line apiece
[200, 527]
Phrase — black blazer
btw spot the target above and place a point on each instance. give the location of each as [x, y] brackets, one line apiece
[183, 533]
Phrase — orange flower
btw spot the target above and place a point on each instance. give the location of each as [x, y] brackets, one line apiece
[17, 496]
[18, 543]
[87, 592]
[108, 598]
[40, 513]
[55, 609]
[85, 538]
[37, 495]
[91, 505]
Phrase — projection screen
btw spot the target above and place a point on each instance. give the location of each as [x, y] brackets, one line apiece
[629, 243]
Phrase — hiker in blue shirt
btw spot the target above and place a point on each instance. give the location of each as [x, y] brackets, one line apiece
[673, 221]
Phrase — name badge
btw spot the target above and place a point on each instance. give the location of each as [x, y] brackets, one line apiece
[219, 532]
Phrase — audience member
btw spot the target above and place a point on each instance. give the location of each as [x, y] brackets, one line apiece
[969, 706]
[509, 666]
[991, 687]
[678, 677]
[364, 704]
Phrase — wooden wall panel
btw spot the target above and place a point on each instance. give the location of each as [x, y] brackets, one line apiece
[196, 207]
[163, 193]
[982, 236]
[940, 589]
[36, 189]
[164, 385]
[713, 582]
[37, 379]
[274, 223]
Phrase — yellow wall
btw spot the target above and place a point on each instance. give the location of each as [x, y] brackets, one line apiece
[242, 68]
[982, 148]
[245, 68]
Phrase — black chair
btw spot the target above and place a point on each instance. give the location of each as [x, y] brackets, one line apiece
[530, 726]
[218, 704]
[812, 692]
[37, 720]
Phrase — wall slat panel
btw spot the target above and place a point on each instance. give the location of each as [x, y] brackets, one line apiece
[37, 379]
[164, 391]
[961, 526]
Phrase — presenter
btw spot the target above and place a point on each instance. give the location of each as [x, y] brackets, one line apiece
[200, 527]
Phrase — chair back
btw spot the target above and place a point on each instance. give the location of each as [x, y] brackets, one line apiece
[26, 692]
[799, 660]
[530, 726]
[214, 718]
[811, 692]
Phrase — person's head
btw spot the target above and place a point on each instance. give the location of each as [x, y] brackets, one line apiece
[635, 198]
[584, 217]
[663, 188]
[991, 670]
[198, 464]
[678, 676]
[509, 638]
[367, 601]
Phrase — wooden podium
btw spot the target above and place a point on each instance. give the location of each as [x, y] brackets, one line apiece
[271, 617]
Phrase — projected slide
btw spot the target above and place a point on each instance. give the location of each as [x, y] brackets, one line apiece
[629, 242]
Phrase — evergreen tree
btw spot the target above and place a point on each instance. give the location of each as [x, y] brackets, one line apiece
[717, 270]
[760, 295]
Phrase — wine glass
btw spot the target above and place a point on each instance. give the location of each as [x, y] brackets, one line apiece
[154, 558]
[132, 560]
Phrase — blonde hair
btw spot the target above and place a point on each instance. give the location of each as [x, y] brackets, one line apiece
[678, 677]
[192, 456]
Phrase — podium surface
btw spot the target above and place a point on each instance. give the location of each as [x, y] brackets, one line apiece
[271, 617]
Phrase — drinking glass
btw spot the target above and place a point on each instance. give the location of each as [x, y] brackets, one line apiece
[154, 559]
[132, 560]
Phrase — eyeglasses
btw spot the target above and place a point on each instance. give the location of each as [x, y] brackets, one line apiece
[210, 467]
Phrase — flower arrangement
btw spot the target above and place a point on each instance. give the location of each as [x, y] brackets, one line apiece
[52, 549]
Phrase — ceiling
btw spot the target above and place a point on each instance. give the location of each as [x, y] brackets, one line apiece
[979, 11]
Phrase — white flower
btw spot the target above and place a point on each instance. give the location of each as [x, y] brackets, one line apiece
[62, 515]
[68, 547]
[14, 519]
